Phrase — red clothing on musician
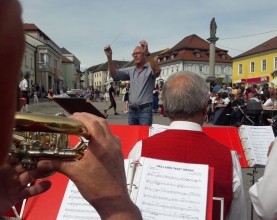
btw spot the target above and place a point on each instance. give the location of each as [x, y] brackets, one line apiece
[185, 142]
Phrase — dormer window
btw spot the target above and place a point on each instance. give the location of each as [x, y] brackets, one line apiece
[164, 58]
[172, 56]
[159, 60]
[223, 56]
[197, 54]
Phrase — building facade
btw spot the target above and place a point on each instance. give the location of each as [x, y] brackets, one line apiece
[47, 59]
[71, 70]
[257, 64]
[28, 64]
[192, 54]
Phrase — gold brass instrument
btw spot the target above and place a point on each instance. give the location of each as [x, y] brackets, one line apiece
[38, 136]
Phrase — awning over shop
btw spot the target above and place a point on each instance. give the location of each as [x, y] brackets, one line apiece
[262, 79]
[58, 78]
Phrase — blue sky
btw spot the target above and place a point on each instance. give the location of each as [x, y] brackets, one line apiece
[84, 27]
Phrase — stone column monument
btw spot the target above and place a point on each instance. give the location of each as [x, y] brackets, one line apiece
[212, 41]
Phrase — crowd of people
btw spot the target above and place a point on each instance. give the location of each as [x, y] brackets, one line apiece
[228, 105]
[100, 175]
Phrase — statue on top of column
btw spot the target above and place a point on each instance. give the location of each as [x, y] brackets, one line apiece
[213, 28]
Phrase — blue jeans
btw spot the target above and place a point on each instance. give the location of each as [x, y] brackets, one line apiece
[141, 117]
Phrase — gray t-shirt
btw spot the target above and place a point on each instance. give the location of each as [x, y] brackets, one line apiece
[141, 84]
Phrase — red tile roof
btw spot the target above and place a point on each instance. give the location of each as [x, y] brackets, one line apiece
[187, 48]
[266, 46]
[66, 60]
[32, 27]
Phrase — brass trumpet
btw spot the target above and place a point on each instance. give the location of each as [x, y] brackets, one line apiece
[38, 137]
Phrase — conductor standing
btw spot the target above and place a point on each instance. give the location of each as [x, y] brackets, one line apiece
[142, 80]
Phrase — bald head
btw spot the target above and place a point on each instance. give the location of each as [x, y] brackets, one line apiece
[184, 95]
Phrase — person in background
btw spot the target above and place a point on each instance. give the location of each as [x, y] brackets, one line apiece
[185, 98]
[112, 99]
[24, 88]
[155, 106]
[125, 91]
[50, 95]
[36, 99]
[87, 93]
[160, 103]
[142, 80]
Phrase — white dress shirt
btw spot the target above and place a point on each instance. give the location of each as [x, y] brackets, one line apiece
[238, 209]
[263, 194]
[23, 85]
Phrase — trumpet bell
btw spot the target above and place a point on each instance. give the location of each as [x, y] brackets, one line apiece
[37, 137]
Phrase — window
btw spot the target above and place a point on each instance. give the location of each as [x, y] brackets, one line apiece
[201, 68]
[172, 69]
[25, 60]
[164, 58]
[32, 65]
[172, 56]
[222, 69]
[159, 60]
[55, 63]
[275, 63]
[240, 69]
[100, 73]
[197, 54]
[176, 68]
[252, 67]
[223, 56]
[264, 65]
[45, 58]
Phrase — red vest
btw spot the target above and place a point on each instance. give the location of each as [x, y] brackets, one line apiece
[196, 147]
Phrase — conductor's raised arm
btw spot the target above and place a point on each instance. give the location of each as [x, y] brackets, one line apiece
[154, 65]
[108, 51]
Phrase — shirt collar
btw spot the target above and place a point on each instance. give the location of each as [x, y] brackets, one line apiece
[185, 125]
[144, 66]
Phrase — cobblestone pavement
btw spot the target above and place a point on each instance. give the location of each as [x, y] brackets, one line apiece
[46, 108]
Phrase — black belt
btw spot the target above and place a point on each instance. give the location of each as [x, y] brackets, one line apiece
[139, 107]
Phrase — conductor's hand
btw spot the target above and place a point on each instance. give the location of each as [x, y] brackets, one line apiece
[100, 175]
[13, 183]
[144, 46]
[108, 51]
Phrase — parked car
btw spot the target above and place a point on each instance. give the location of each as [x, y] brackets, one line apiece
[75, 93]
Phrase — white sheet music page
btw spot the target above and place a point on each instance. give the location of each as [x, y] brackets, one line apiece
[171, 190]
[259, 138]
[74, 206]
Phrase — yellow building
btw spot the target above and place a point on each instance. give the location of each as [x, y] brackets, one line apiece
[256, 65]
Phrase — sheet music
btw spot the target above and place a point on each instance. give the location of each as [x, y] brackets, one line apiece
[157, 128]
[74, 206]
[259, 139]
[171, 190]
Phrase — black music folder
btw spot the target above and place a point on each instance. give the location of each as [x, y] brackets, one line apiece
[72, 105]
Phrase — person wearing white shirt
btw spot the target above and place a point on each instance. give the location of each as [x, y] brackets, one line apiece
[270, 102]
[263, 194]
[24, 88]
[187, 119]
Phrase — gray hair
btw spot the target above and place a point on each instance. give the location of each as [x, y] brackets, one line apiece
[184, 95]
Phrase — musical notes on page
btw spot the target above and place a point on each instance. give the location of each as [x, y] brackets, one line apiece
[171, 190]
[259, 139]
[74, 206]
